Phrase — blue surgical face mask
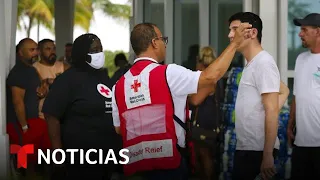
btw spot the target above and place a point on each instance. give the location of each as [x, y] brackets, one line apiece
[97, 60]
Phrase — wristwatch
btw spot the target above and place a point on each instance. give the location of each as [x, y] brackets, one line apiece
[25, 127]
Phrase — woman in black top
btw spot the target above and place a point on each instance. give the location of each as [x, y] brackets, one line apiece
[207, 117]
[78, 110]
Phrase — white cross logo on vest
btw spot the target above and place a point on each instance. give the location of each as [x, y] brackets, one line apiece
[137, 93]
[104, 90]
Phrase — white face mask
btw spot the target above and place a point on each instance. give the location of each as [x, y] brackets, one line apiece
[97, 60]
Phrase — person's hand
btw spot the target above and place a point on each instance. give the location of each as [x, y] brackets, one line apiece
[25, 130]
[290, 135]
[43, 89]
[50, 81]
[267, 167]
[242, 33]
[41, 92]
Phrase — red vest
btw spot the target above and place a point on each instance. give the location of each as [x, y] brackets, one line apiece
[146, 118]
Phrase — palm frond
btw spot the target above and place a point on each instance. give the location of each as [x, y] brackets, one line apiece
[83, 14]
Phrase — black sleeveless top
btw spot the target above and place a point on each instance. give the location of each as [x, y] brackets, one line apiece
[210, 114]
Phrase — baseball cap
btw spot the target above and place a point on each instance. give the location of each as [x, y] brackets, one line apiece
[312, 19]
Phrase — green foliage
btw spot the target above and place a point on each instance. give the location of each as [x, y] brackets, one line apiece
[38, 11]
[42, 12]
[117, 11]
[83, 14]
[109, 55]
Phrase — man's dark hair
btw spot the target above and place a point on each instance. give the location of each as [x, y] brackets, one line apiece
[119, 57]
[141, 37]
[80, 50]
[250, 18]
[68, 45]
[44, 41]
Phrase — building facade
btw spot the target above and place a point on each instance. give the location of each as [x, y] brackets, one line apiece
[185, 22]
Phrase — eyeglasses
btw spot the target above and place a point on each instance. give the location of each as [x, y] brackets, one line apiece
[163, 38]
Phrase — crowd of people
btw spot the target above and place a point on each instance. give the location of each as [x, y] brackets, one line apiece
[72, 103]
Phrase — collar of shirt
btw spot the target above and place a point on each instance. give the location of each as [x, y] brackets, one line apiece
[145, 58]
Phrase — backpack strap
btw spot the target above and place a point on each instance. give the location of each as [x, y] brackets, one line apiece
[180, 122]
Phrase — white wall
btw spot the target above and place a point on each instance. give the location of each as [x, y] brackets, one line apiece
[8, 16]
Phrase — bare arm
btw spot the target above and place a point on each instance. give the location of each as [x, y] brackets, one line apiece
[283, 94]
[115, 113]
[54, 131]
[117, 130]
[219, 67]
[270, 103]
[197, 99]
[18, 103]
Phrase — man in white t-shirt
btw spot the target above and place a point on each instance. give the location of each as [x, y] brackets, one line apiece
[150, 46]
[305, 107]
[257, 105]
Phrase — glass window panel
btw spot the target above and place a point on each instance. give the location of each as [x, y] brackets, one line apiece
[154, 12]
[189, 33]
[219, 26]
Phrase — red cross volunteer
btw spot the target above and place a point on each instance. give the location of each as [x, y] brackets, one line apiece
[149, 106]
[147, 110]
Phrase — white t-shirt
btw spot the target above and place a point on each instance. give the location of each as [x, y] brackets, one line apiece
[182, 82]
[261, 75]
[307, 94]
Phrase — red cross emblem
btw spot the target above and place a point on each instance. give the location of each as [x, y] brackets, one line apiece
[135, 85]
[104, 90]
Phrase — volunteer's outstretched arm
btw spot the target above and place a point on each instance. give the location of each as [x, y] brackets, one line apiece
[197, 99]
[219, 67]
[215, 71]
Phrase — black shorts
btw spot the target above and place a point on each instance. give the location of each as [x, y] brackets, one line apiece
[246, 164]
[305, 163]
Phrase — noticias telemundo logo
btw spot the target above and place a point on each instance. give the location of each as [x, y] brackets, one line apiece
[50, 156]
